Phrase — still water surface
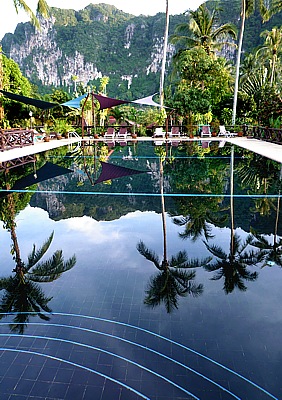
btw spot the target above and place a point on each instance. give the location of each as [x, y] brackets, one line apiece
[163, 284]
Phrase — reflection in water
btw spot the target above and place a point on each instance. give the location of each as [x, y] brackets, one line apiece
[271, 253]
[173, 280]
[232, 266]
[22, 293]
[261, 176]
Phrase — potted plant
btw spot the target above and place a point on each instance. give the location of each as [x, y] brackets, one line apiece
[61, 127]
[238, 130]
[215, 127]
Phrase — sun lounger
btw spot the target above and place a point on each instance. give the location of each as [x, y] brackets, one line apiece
[110, 133]
[205, 131]
[159, 133]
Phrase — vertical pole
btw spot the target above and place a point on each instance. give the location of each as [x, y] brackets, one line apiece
[1, 85]
[164, 56]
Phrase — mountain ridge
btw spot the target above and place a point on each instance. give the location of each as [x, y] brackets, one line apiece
[101, 40]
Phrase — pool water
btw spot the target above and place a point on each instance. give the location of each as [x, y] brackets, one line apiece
[163, 283]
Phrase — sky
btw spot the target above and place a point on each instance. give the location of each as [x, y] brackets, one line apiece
[9, 18]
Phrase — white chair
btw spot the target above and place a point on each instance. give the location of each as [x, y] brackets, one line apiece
[159, 132]
[224, 132]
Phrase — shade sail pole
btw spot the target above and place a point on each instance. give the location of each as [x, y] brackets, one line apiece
[82, 116]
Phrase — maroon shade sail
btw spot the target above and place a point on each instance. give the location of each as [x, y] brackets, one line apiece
[108, 102]
[113, 171]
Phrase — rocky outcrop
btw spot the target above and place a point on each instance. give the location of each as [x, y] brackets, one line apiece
[94, 43]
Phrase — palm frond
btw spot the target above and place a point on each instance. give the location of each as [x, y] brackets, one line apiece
[216, 251]
[51, 269]
[36, 255]
[148, 254]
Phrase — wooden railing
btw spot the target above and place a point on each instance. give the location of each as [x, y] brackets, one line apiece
[17, 162]
[11, 138]
[273, 135]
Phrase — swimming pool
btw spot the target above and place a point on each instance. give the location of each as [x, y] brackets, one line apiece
[162, 284]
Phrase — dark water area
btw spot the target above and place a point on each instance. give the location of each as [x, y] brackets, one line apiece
[163, 283]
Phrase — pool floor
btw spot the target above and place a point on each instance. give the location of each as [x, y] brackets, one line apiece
[157, 285]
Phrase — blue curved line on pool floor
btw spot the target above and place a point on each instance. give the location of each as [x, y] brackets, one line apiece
[87, 193]
[78, 366]
[129, 342]
[159, 336]
[103, 351]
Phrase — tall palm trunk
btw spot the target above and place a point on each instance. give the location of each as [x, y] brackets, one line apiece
[12, 229]
[277, 210]
[232, 201]
[243, 16]
[165, 261]
[273, 69]
[1, 84]
[164, 57]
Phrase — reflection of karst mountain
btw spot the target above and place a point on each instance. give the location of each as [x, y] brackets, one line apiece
[52, 201]
[99, 207]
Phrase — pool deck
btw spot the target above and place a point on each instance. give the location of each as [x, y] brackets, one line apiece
[266, 149]
[37, 147]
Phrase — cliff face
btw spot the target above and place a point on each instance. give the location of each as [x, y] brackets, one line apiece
[97, 41]
[101, 40]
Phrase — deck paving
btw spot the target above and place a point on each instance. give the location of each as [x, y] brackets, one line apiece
[266, 149]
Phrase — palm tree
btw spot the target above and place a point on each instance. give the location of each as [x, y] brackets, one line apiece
[271, 253]
[201, 31]
[42, 9]
[247, 9]
[23, 295]
[272, 49]
[275, 7]
[198, 223]
[172, 280]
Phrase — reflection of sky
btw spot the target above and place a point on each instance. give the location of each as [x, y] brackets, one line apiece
[241, 330]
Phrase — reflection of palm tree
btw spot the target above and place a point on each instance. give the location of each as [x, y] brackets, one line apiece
[172, 281]
[272, 253]
[233, 266]
[22, 292]
[198, 224]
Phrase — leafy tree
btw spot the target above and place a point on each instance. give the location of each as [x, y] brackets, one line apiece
[14, 81]
[202, 82]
